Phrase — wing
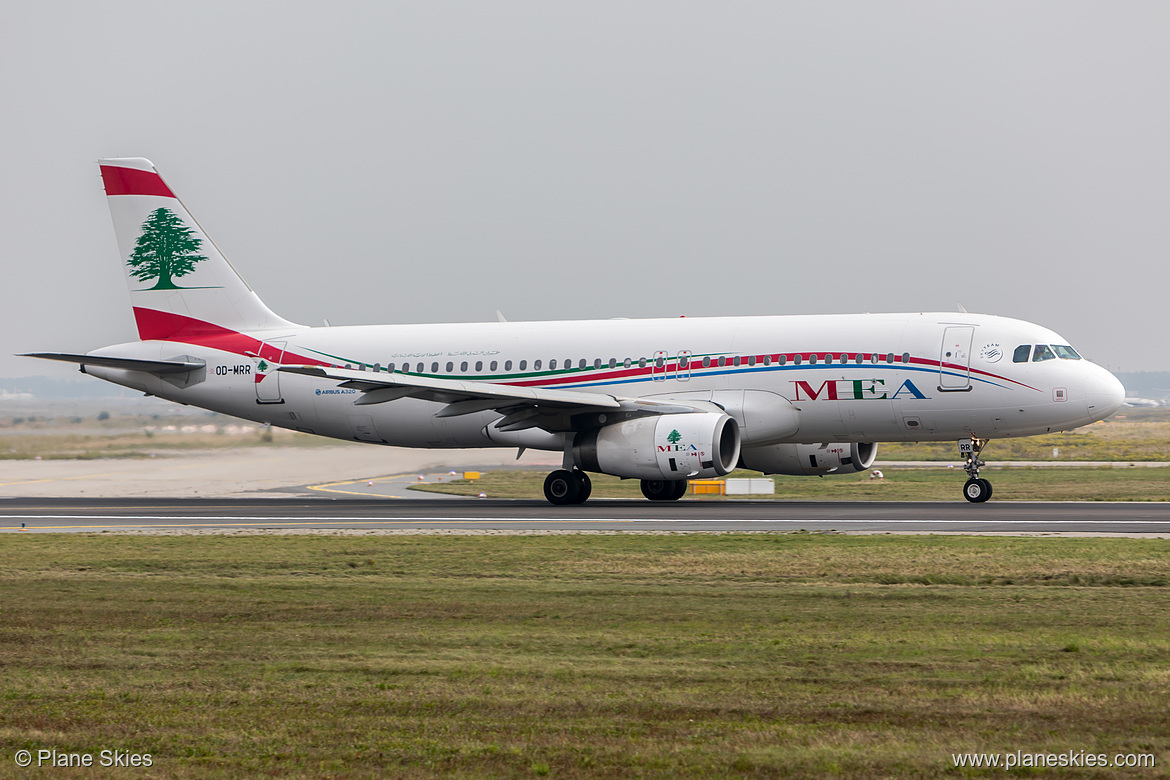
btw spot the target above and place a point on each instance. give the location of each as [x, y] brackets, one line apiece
[523, 407]
[127, 364]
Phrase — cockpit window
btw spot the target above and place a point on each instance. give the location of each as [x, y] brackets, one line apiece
[1043, 352]
[1065, 352]
[1021, 353]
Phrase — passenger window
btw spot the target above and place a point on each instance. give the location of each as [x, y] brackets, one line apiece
[419, 368]
[523, 365]
[1021, 353]
[796, 360]
[874, 357]
[434, 368]
[683, 362]
[507, 365]
[1043, 352]
[658, 362]
[857, 359]
[552, 364]
[812, 360]
[536, 365]
[782, 359]
[450, 367]
[597, 362]
[1065, 352]
[890, 357]
[905, 357]
[641, 362]
[735, 360]
[627, 363]
[767, 360]
[479, 365]
[389, 368]
[493, 366]
[751, 360]
[581, 363]
[722, 361]
[828, 359]
[613, 362]
[707, 361]
[463, 367]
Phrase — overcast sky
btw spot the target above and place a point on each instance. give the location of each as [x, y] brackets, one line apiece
[372, 162]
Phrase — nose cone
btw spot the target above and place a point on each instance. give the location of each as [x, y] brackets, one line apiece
[1103, 393]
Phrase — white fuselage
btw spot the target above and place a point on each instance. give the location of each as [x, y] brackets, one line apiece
[852, 378]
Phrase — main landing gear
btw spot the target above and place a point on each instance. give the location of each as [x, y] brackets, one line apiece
[567, 487]
[664, 490]
[976, 490]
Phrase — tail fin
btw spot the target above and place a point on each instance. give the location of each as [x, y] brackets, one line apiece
[181, 285]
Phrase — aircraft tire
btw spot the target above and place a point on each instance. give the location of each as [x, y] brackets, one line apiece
[680, 489]
[977, 490]
[562, 487]
[663, 490]
[586, 486]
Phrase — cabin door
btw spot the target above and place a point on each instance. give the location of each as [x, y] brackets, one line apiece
[954, 362]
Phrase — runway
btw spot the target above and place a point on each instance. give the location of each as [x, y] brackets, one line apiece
[340, 513]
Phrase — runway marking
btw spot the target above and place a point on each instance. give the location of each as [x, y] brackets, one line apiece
[328, 487]
[251, 522]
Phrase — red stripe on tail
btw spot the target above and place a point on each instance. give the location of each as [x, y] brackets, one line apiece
[154, 325]
[131, 181]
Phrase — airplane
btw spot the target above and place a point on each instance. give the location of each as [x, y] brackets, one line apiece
[662, 401]
[1148, 403]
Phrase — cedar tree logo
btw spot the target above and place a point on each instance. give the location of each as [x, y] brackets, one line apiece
[166, 250]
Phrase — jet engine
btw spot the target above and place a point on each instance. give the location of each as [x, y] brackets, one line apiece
[693, 445]
[806, 459]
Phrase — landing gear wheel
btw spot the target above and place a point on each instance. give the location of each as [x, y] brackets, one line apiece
[663, 490]
[562, 487]
[586, 486]
[977, 490]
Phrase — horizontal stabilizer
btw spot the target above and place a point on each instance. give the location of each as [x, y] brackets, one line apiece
[159, 367]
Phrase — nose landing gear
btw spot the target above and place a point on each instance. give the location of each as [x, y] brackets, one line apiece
[976, 490]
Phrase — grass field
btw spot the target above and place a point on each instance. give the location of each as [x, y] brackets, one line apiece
[681, 656]
[1132, 434]
[915, 484]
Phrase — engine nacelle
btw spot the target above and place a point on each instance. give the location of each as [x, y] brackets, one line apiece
[806, 459]
[694, 445]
